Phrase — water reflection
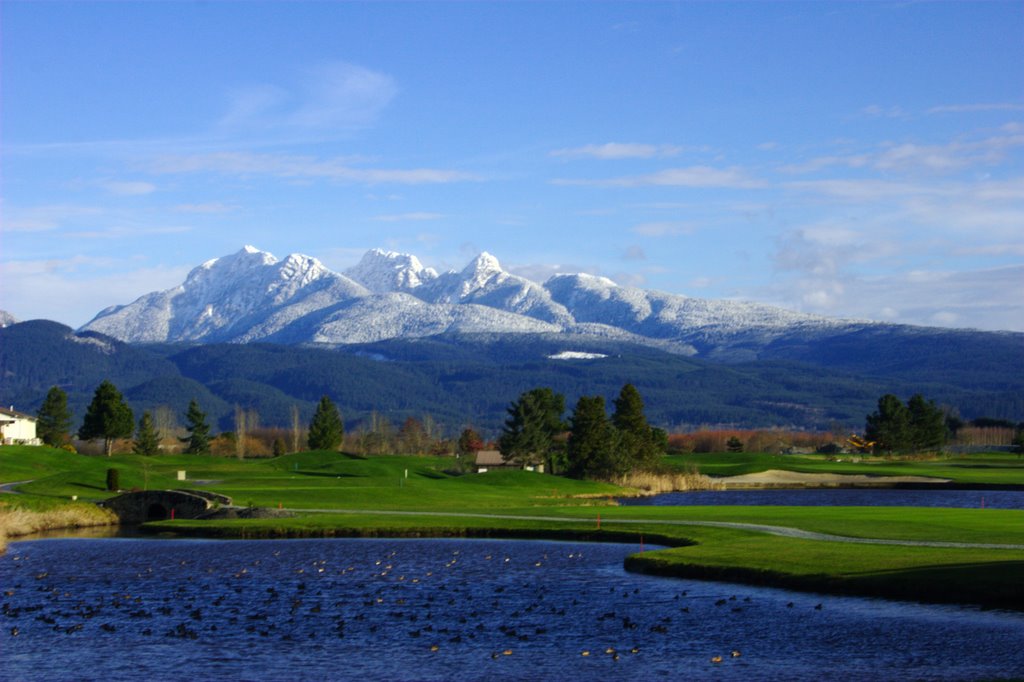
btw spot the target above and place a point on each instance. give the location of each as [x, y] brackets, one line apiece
[450, 609]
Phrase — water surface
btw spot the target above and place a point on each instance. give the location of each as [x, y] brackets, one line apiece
[841, 497]
[121, 609]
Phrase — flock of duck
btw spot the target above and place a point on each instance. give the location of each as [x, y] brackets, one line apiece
[477, 607]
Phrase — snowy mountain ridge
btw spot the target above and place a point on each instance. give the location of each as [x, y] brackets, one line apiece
[252, 296]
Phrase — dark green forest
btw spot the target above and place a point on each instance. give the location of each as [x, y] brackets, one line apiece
[469, 380]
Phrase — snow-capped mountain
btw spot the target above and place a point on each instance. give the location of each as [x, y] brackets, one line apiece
[483, 282]
[242, 297]
[383, 271]
[252, 296]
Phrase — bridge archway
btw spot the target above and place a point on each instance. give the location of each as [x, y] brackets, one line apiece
[156, 512]
[158, 505]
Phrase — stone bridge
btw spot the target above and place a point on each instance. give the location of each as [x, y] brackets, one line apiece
[156, 505]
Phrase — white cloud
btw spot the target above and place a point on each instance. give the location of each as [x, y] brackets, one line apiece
[336, 95]
[44, 218]
[210, 207]
[917, 158]
[542, 272]
[72, 290]
[827, 279]
[700, 282]
[408, 217]
[692, 176]
[290, 166]
[619, 150]
[879, 111]
[121, 231]
[663, 229]
[249, 104]
[634, 253]
[128, 188]
[974, 108]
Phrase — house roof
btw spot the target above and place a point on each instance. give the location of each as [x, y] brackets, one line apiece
[489, 458]
[11, 412]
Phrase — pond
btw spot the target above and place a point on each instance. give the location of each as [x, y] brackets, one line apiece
[841, 497]
[120, 609]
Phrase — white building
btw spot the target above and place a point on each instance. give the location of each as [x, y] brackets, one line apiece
[17, 428]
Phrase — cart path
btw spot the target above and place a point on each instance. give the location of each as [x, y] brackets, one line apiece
[9, 487]
[782, 531]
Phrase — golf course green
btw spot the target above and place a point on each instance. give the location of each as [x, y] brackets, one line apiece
[973, 556]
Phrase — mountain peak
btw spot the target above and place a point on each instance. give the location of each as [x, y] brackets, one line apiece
[383, 271]
[250, 295]
[484, 263]
[582, 279]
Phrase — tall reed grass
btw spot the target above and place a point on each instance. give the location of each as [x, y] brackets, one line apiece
[655, 482]
[15, 522]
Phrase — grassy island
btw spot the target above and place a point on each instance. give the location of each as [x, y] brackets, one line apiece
[973, 556]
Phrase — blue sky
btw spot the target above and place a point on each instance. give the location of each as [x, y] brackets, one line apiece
[852, 159]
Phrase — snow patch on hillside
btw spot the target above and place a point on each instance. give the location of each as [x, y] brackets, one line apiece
[576, 355]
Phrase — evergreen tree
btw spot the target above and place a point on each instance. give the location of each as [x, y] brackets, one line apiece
[198, 439]
[889, 426]
[926, 424]
[639, 441]
[147, 438]
[326, 430]
[594, 447]
[108, 417]
[534, 420]
[54, 419]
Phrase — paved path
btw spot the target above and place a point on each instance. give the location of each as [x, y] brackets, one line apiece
[782, 531]
[9, 487]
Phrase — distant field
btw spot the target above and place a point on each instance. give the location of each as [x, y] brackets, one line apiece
[421, 496]
[996, 468]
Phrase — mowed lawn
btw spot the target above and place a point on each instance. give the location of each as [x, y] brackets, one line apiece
[311, 480]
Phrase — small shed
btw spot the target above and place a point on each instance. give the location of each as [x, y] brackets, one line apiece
[17, 428]
[487, 460]
[490, 459]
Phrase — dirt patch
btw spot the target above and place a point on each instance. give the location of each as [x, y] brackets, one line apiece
[775, 478]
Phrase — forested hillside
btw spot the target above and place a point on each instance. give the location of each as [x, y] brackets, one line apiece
[464, 380]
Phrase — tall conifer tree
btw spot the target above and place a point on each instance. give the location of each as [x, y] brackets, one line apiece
[326, 430]
[198, 439]
[108, 417]
[147, 438]
[54, 418]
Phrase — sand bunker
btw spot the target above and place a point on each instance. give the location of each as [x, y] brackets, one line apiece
[775, 477]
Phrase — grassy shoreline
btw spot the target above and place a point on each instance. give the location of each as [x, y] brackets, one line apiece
[16, 523]
[983, 577]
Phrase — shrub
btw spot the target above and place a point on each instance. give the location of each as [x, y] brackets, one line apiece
[113, 480]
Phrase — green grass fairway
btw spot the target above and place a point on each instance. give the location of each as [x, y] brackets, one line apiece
[993, 468]
[419, 496]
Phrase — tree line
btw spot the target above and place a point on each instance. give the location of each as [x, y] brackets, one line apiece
[917, 426]
[109, 418]
[591, 444]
